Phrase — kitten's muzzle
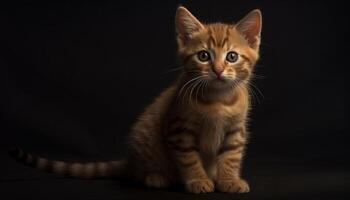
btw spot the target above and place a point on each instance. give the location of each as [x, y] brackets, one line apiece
[218, 70]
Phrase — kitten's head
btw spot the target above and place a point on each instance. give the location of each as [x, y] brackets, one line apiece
[222, 54]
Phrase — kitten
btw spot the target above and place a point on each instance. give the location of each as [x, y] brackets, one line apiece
[194, 133]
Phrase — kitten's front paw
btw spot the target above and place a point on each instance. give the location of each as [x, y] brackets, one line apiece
[236, 185]
[199, 186]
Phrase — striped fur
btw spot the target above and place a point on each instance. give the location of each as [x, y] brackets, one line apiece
[77, 170]
[194, 132]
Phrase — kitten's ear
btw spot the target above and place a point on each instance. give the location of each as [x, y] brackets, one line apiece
[186, 24]
[250, 28]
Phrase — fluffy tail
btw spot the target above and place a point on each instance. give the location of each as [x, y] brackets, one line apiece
[78, 170]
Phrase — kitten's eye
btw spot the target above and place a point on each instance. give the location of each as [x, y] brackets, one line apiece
[232, 56]
[203, 56]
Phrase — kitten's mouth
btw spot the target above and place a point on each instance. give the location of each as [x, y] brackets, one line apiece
[220, 79]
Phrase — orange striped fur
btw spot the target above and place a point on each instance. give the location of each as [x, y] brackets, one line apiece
[195, 132]
[78, 170]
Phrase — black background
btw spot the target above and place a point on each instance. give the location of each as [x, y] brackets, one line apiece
[75, 76]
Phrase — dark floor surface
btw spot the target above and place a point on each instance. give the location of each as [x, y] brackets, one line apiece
[269, 179]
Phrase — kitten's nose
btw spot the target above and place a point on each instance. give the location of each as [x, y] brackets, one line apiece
[218, 71]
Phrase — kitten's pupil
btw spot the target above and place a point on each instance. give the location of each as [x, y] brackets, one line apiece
[232, 56]
[203, 56]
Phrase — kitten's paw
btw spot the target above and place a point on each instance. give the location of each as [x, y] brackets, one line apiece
[199, 186]
[156, 181]
[237, 185]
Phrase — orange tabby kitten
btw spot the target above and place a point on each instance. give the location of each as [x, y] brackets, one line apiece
[195, 131]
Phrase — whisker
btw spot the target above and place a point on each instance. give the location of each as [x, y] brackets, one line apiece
[204, 86]
[187, 83]
[257, 89]
[255, 92]
[198, 88]
[256, 76]
[194, 88]
[173, 70]
[254, 96]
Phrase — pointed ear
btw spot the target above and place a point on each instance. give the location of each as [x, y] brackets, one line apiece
[186, 24]
[250, 28]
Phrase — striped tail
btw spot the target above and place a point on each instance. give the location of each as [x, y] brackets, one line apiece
[77, 170]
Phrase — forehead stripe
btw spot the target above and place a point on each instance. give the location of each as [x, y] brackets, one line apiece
[218, 37]
[212, 41]
[224, 42]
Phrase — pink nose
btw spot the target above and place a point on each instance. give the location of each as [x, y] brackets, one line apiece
[218, 71]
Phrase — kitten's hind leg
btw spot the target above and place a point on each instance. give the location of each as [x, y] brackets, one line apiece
[156, 180]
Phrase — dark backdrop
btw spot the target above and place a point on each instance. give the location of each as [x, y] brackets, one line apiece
[74, 77]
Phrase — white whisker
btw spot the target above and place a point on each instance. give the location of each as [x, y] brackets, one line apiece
[186, 84]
